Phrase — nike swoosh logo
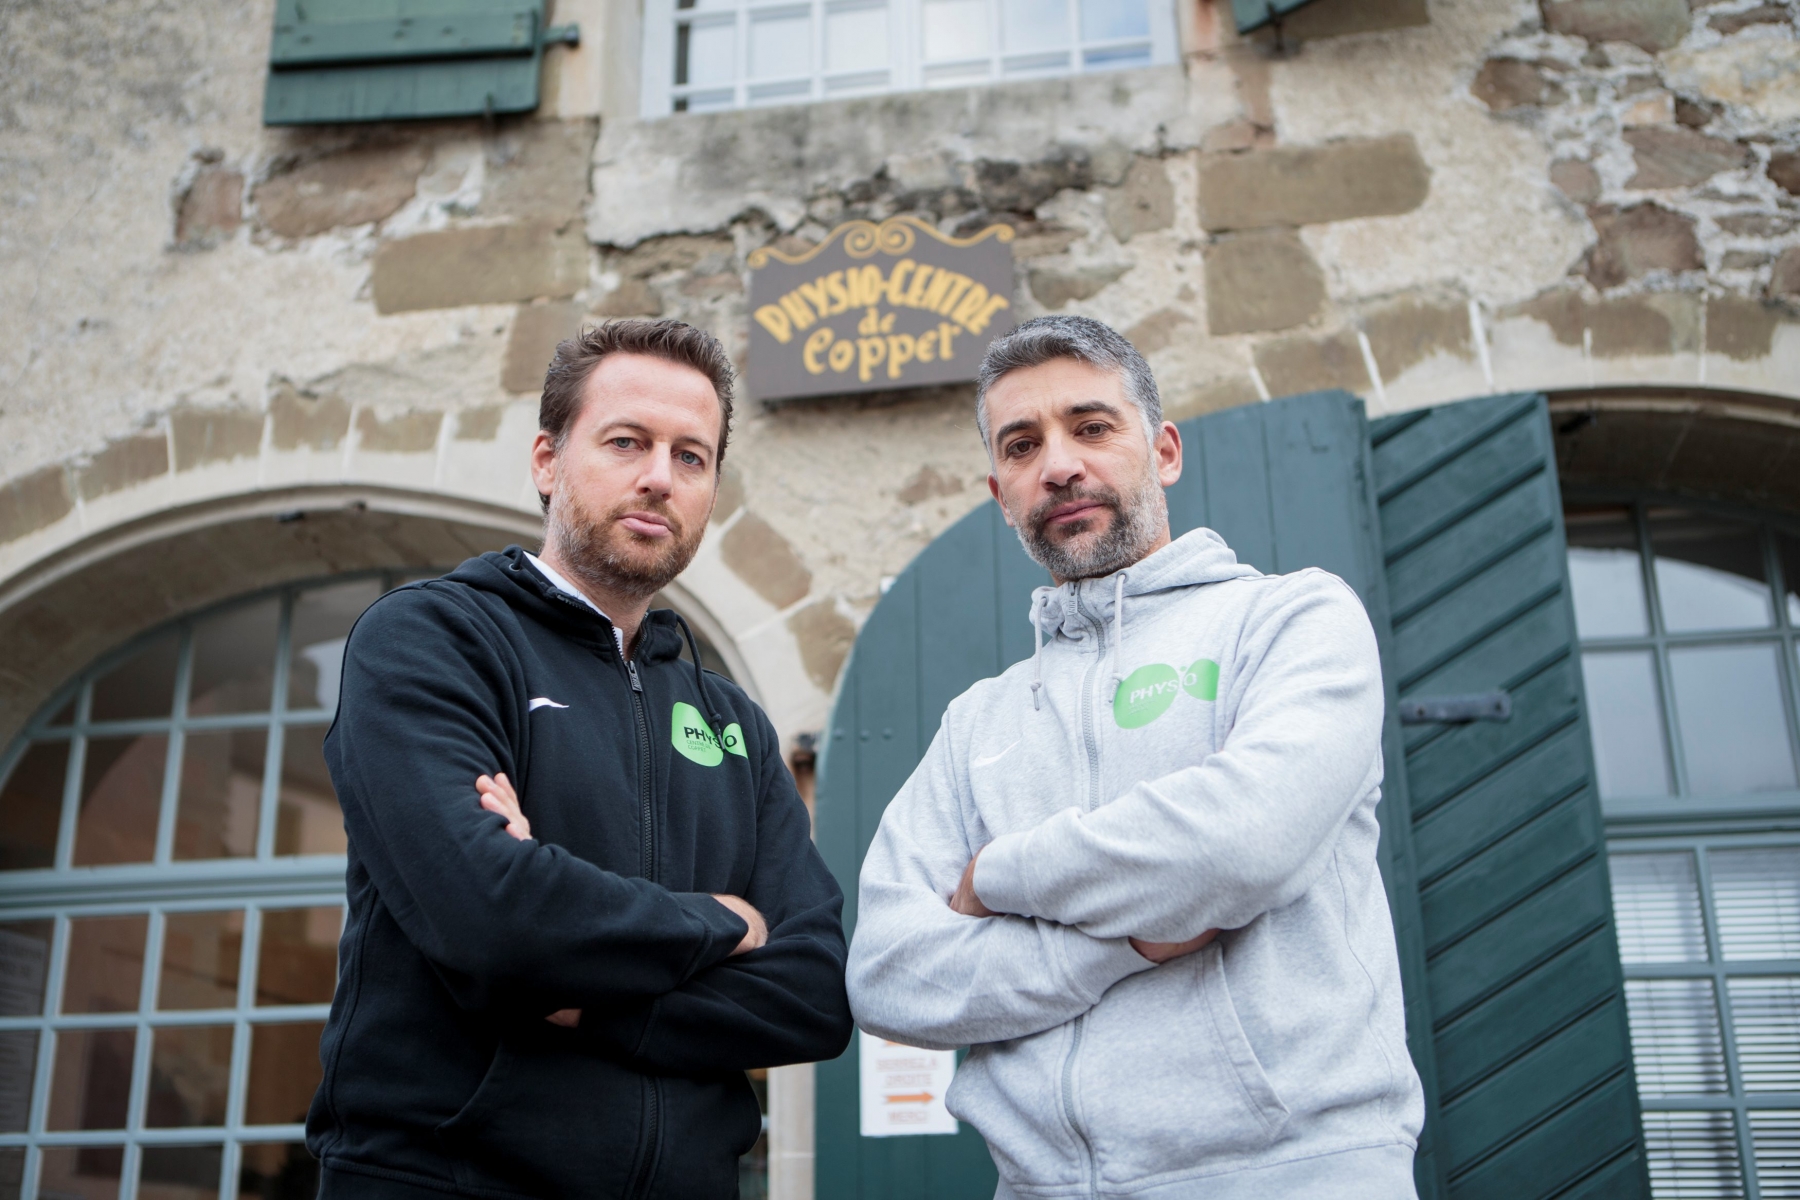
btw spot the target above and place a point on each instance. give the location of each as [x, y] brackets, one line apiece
[538, 702]
[991, 759]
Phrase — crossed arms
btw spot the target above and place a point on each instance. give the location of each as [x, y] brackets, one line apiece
[1166, 863]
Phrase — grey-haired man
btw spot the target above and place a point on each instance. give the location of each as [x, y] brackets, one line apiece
[1136, 873]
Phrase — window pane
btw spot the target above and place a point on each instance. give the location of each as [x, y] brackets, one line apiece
[298, 961]
[1733, 728]
[141, 686]
[221, 793]
[1765, 1016]
[31, 806]
[12, 1172]
[106, 964]
[856, 38]
[1656, 907]
[1105, 19]
[1709, 572]
[180, 1172]
[1692, 1154]
[706, 53]
[81, 1172]
[307, 817]
[24, 953]
[201, 952]
[284, 1072]
[1775, 1140]
[1675, 1039]
[1606, 577]
[190, 1072]
[1626, 724]
[234, 660]
[18, 1072]
[1756, 896]
[90, 1085]
[1034, 24]
[321, 623]
[955, 29]
[277, 1171]
[1788, 548]
[121, 796]
[781, 45]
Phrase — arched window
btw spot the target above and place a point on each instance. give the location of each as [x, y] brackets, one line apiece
[1688, 619]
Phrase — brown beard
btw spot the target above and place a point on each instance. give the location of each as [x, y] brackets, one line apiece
[1131, 529]
[605, 555]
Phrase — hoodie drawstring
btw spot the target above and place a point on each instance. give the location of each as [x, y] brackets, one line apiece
[1118, 638]
[1037, 651]
[712, 714]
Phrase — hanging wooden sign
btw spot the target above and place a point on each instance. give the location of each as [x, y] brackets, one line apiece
[877, 307]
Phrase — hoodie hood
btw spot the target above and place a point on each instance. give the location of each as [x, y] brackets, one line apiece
[1197, 557]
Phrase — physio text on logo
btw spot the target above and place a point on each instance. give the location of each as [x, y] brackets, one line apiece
[694, 739]
[1147, 692]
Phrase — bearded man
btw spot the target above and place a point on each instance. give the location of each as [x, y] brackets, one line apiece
[1136, 873]
[552, 986]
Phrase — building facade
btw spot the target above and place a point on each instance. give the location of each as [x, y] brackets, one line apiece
[265, 357]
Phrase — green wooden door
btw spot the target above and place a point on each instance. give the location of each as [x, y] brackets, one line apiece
[1522, 979]
[1289, 484]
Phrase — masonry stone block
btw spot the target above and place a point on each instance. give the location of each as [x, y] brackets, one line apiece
[1143, 203]
[1671, 156]
[1292, 365]
[480, 424]
[1744, 260]
[1636, 240]
[1056, 286]
[1757, 73]
[1784, 169]
[1409, 331]
[30, 502]
[1576, 179]
[538, 170]
[478, 264]
[762, 558]
[1741, 328]
[1757, 224]
[1261, 280]
[1651, 25]
[928, 483]
[632, 298]
[1307, 185]
[1161, 328]
[730, 497]
[536, 330]
[824, 636]
[397, 433]
[1508, 83]
[123, 463]
[677, 252]
[1338, 18]
[209, 435]
[1042, 239]
[1211, 397]
[1619, 326]
[211, 209]
[303, 420]
[355, 187]
[1784, 280]
[1762, 14]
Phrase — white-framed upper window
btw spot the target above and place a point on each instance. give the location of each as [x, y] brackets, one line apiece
[708, 55]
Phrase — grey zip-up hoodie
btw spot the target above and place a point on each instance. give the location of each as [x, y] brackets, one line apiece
[1195, 745]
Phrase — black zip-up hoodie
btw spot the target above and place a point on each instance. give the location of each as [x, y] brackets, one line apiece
[649, 785]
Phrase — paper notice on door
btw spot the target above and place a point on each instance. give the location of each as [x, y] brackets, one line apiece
[903, 1088]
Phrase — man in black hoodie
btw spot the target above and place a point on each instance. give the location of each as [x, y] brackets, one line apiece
[555, 991]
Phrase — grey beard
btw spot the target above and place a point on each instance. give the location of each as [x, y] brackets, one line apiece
[590, 557]
[1136, 523]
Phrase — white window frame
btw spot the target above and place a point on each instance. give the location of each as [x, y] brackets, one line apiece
[905, 72]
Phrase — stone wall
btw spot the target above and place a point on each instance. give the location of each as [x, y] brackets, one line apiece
[1416, 201]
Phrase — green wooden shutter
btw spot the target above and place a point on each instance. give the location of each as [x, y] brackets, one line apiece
[1533, 1057]
[377, 60]
[1289, 485]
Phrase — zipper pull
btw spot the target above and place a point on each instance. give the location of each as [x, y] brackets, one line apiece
[636, 686]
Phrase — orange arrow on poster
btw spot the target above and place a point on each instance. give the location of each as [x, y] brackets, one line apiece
[912, 1098]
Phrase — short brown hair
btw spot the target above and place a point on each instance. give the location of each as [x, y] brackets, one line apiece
[672, 341]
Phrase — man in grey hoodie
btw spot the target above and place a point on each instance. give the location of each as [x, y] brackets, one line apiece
[1136, 874]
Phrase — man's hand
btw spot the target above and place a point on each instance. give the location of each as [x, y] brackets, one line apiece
[1162, 952]
[758, 936]
[964, 900]
[497, 796]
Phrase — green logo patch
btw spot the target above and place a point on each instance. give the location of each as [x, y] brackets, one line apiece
[734, 740]
[1201, 680]
[694, 739]
[1145, 695]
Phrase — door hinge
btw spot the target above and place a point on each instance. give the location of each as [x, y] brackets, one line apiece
[1456, 710]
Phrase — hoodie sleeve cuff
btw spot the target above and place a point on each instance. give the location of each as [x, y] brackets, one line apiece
[724, 929]
[1003, 875]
